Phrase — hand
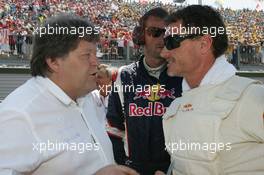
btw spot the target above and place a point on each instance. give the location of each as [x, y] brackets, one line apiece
[116, 170]
[159, 173]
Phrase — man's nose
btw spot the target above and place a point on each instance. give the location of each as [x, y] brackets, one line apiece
[94, 60]
[161, 38]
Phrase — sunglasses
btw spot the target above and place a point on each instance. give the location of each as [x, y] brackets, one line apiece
[174, 41]
[155, 32]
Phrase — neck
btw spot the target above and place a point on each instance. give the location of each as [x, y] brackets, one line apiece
[154, 62]
[103, 93]
[195, 77]
[194, 81]
[72, 94]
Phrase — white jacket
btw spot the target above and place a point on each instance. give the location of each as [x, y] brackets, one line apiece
[221, 127]
[217, 128]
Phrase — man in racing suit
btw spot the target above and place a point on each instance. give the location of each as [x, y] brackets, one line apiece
[139, 99]
[216, 127]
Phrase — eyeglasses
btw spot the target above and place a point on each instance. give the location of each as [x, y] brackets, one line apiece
[155, 32]
[174, 41]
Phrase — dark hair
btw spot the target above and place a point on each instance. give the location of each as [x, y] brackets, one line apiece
[155, 12]
[138, 34]
[203, 16]
[57, 37]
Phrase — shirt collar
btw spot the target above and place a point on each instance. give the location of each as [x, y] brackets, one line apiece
[218, 73]
[55, 90]
[154, 71]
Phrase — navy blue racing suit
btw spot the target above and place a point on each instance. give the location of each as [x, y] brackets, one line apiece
[136, 130]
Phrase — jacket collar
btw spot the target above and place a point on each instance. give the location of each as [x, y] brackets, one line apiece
[144, 71]
[218, 73]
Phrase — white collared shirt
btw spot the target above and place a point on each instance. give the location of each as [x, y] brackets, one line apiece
[101, 106]
[44, 132]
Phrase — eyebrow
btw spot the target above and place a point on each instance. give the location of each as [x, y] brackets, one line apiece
[83, 54]
[87, 52]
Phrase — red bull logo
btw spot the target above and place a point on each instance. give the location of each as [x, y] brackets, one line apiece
[167, 93]
[142, 94]
[153, 109]
[155, 93]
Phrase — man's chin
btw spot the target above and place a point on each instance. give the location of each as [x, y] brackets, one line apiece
[158, 57]
[161, 58]
[91, 88]
[172, 74]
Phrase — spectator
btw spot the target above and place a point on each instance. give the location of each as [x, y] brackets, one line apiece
[19, 43]
[105, 78]
[113, 52]
[122, 16]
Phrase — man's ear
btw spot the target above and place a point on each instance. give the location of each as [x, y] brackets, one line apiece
[206, 44]
[53, 64]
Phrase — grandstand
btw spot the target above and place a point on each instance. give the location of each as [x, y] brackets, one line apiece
[19, 18]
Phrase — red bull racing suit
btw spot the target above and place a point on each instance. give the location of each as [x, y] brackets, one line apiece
[135, 121]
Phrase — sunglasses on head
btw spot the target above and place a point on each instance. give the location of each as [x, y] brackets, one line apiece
[155, 31]
[174, 41]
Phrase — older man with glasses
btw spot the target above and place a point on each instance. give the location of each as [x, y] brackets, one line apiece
[216, 127]
[135, 113]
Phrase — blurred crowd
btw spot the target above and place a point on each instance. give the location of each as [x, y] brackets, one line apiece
[116, 20]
